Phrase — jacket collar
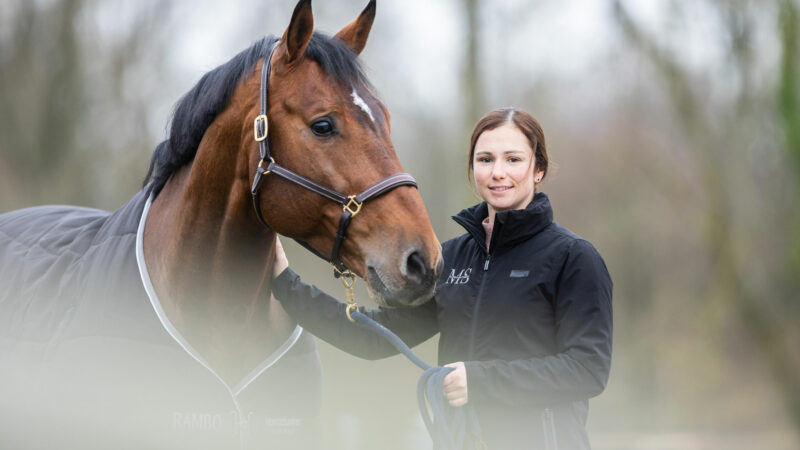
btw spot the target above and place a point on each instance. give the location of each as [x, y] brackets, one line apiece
[510, 227]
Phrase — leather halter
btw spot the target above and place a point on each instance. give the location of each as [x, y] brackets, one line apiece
[351, 204]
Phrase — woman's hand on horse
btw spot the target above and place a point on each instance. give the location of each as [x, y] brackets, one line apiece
[455, 385]
[281, 262]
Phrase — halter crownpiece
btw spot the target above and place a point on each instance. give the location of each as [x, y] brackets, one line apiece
[351, 204]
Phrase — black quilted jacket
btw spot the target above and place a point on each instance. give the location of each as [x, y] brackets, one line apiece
[531, 318]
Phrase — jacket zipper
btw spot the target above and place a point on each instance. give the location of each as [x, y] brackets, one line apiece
[549, 428]
[473, 329]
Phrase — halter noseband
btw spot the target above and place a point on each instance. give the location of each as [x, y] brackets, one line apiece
[351, 204]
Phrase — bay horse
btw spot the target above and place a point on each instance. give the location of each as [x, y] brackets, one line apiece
[152, 326]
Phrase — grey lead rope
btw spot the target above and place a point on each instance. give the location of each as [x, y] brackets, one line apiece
[448, 427]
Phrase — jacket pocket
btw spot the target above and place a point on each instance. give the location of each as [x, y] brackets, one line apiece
[549, 429]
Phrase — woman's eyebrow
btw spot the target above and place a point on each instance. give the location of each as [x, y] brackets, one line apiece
[486, 152]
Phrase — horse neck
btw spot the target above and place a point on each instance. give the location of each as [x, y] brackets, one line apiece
[212, 261]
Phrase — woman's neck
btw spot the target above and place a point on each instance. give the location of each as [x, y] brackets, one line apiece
[490, 217]
[493, 212]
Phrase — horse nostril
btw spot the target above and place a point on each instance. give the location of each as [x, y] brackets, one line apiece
[415, 267]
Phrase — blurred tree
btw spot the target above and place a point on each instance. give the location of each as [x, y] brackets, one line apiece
[720, 136]
[68, 74]
[41, 90]
[473, 87]
[789, 104]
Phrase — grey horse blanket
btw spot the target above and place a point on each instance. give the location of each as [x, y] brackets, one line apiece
[88, 360]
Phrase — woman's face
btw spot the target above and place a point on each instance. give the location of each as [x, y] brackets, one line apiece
[504, 170]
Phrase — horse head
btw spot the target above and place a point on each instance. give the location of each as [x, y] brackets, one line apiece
[325, 124]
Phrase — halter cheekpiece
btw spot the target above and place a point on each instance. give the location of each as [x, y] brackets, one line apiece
[351, 204]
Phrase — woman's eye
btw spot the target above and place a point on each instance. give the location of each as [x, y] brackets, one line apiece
[322, 127]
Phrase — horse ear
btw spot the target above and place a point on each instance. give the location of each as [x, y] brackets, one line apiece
[299, 31]
[355, 35]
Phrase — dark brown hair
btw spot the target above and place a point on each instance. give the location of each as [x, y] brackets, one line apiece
[524, 123]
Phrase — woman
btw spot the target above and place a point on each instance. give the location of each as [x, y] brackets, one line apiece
[523, 305]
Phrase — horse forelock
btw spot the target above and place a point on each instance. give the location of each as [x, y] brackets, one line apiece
[198, 108]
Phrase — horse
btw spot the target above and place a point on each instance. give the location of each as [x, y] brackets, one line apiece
[153, 326]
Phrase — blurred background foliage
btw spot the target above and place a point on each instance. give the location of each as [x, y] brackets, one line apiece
[674, 128]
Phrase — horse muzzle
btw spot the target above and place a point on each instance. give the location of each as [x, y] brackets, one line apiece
[410, 282]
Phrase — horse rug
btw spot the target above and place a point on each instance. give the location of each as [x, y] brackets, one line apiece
[89, 360]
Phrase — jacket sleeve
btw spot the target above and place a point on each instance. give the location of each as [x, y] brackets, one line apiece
[325, 317]
[583, 322]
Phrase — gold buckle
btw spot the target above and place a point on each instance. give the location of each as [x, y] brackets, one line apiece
[349, 206]
[348, 278]
[264, 169]
[349, 281]
[260, 118]
[350, 308]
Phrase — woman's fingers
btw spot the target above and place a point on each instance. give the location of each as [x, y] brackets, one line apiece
[459, 402]
[454, 394]
[456, 398]
[455, 385]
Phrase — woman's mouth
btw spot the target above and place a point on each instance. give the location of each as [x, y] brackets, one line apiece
[499, 188]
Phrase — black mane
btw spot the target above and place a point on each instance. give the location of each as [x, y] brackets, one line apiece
[197, 108]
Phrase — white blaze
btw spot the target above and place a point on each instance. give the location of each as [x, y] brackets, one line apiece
[362, 104]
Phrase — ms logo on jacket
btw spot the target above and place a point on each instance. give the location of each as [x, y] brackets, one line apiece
[461, 278]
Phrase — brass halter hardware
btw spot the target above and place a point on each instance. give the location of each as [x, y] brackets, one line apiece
[258, 133]
[352, 203]
[349, 281]
[265, 169]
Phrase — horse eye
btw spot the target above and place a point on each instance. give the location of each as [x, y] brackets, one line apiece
[323, 127]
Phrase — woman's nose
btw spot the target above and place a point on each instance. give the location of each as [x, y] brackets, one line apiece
[498, 171]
